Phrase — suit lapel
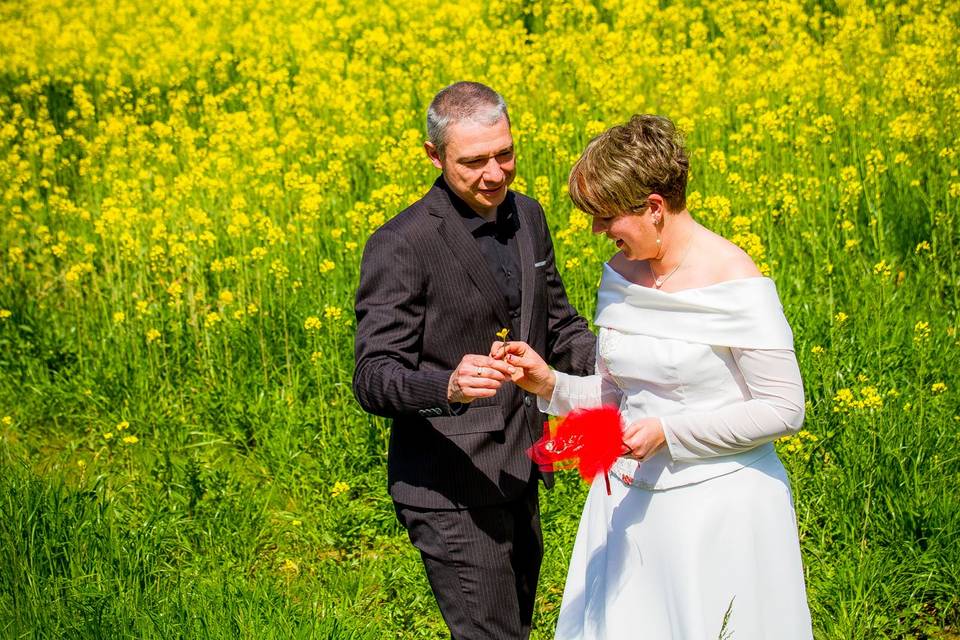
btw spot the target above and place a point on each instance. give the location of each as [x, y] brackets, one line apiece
[527, 272]
[464, 248]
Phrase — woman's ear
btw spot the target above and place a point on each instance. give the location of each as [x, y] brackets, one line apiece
[657, 207]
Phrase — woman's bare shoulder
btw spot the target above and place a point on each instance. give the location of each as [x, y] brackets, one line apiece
[730, 262]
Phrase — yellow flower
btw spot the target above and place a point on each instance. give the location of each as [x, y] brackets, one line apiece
[841, 317]
[315, 356]
[503, 333]
[327, 266]
[921, 331]
[5, 313]
[332, 313]
[108, 435]
[7, 421]
[339, 488]
[938, 387]
[119, 316]
[123, 424]
[817, 350]
[212, 319]
[312, 323]
[225, 297]
[131, 440]
[882, 269]
[152, 335]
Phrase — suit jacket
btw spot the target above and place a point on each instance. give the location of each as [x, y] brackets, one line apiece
[426, 298]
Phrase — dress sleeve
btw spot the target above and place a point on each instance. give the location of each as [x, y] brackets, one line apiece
[582, 392]
[775, 408]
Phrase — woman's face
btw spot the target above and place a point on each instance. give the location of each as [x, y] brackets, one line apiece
[634, 234]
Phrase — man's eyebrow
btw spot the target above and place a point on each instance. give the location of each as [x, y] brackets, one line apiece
[492, 155]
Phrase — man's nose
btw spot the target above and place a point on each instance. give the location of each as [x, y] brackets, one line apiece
[493, 172]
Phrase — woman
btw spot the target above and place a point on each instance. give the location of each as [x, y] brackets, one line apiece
[698, 539]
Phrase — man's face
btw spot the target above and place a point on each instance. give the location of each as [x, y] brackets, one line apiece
[478, 163]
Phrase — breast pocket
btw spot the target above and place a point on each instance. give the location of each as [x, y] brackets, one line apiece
[474, 420]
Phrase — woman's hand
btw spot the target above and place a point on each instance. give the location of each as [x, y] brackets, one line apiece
[532, 373]
[643, 438]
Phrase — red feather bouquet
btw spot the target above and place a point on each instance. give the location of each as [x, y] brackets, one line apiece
[588, 439]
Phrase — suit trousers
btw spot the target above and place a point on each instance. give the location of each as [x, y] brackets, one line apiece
[482, 563]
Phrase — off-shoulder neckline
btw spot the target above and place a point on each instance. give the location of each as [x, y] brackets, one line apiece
[634, 285]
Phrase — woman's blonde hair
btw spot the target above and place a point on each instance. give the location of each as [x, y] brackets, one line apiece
[622, 166]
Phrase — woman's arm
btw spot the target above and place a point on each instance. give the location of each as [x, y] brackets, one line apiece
[558, 393]
[775, 409]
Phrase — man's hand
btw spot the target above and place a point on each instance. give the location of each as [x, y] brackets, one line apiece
[477, 377]
[532, 373]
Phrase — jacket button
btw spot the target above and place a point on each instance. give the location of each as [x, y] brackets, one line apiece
[527, 401]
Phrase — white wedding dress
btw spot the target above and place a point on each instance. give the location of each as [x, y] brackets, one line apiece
[699, 541]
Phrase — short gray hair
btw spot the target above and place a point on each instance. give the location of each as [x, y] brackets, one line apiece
[470, 101]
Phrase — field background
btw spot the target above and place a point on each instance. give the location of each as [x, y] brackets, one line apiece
[185, 190]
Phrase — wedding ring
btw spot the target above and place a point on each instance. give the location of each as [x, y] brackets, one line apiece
[479, 372]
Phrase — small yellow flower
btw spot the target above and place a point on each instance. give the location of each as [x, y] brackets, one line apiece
[503, 333]
[315, 356]
[108, 435]
[312, 323]
[817, 350]
[131, 440]
[332, 313]
[119, 316]
[81, 463]
[7, 421]
[339, 488]
[938, 387]
[225, 297]
[5, 313]
[327, 266]
[841, 317]
[152, 335]
[123, 424]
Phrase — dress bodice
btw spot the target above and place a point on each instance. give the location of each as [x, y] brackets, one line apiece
[671, 353]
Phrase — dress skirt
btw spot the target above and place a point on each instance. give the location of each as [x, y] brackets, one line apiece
[716, 559]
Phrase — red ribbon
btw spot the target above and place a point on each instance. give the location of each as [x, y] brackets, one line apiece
[588, 439]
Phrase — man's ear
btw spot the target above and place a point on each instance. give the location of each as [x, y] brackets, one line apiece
[433, 154]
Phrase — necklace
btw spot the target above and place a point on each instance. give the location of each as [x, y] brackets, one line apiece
[659, 280]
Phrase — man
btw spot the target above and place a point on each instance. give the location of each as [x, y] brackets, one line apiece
[437, 284]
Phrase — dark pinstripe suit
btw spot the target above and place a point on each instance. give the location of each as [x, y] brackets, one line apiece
[426, 298]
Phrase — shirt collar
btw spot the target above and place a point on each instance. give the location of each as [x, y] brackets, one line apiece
[505, 224]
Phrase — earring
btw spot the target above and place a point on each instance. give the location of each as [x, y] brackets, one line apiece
[659, 245]
[656, 219]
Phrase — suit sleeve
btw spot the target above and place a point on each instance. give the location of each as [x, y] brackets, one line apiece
[571, 346]
[390, 308]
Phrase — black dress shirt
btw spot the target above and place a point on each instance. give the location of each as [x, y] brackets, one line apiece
[497, 241]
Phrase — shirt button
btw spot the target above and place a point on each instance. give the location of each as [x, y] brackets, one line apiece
[527, 401]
